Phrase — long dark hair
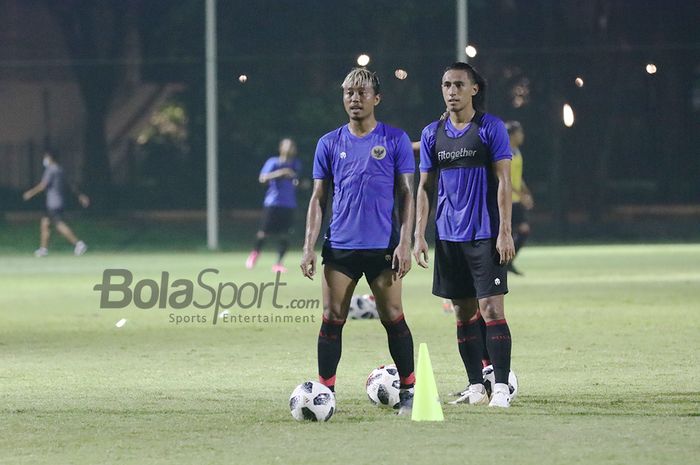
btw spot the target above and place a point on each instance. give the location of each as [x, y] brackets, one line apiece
[479, 100]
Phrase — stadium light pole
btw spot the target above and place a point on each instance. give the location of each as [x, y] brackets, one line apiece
[462, 30]
[212, 128]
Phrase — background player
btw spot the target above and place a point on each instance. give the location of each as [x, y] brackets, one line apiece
[522, 197]
[364, 161]
[281, 174]
[54, 183]
[468, 155]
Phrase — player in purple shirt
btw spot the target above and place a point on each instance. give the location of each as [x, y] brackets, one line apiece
[468, 155]
[365, 162]
[281, 175]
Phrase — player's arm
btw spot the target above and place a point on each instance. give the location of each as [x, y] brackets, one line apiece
[280, 173]
[504, 242]
[39, 188]
[526, 196]
[424, 199]
[83, 199]
[402, 254]
[314, 219]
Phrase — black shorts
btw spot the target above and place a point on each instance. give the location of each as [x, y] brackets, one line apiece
[277, 220]
[55, 215]
[354, 263]
[468, 269]
[518, 215]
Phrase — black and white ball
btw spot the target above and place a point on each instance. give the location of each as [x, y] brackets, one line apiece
[490, 380]
[383, 386]
[363, 307]
[312, 401]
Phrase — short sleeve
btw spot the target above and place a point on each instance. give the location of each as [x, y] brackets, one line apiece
[405, 162]
[427, 149]
[322, 165]
[497, 140]
[297, 166]
[268, 167]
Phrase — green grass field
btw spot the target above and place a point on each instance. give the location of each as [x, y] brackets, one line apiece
[606, 344]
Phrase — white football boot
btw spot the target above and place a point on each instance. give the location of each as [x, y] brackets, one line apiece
[474, 395]
[500, 396]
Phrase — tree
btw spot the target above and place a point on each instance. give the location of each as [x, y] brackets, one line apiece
[95, 32]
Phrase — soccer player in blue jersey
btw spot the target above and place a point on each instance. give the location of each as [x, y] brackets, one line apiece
[467, 155]
[281, 174]
[370, 167]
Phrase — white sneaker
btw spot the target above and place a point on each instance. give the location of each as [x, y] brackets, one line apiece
[501, 396]
[80, 248]
[474, 395]
[41, 252]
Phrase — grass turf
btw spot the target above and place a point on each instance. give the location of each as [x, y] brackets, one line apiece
[605, 345]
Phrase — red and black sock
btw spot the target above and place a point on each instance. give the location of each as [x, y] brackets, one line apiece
[499, 345]
[401, 350]
[470, 344]
[486, 360]
[329, 349]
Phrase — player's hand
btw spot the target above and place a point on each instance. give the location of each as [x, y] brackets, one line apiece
[401, 261]
[528, 202]
[27, 195]
[505, 247]
[420, 252]
[308, 264]
[84, 200]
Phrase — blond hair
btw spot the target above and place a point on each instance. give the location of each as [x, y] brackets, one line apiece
[361, 77]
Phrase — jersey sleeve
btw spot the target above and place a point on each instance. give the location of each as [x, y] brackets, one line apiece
[497, 140]
[268, 167]
[297, 167]
[322, 165]
[405, 163]
[427, 149]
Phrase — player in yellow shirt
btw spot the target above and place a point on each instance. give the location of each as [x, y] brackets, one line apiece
[522, 197]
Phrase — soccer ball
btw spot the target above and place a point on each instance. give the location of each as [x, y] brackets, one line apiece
[490, 380]
[312, 401]
[383, 386]
[363, 307]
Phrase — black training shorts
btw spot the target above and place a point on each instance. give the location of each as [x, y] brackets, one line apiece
[356, 262]
[277, 220]
[468, 269]
[55, 215]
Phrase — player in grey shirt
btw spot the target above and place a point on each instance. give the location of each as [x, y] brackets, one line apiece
[54, 183]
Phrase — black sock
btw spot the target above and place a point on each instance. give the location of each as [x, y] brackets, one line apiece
[485, 359]
[329, 349]
[401, 349]
[470, 344]
[499, 344]
[282, 249]
[520, 240]
[258, 244]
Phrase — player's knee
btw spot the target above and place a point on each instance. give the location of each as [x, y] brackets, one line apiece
[334, 311]
[45, 222]
[465, 311]
[390, 312]
[491, 310]
[524, 228]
